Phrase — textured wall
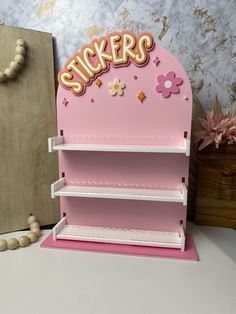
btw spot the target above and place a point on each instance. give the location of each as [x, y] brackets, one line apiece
[200, 33]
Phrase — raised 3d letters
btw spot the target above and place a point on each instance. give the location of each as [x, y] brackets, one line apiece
[92, 60]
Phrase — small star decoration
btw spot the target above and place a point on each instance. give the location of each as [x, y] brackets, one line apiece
[65, 102]
[141, 96]
[98, 83]
[156, 60]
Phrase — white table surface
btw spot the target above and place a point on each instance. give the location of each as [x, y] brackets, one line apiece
[34, 280]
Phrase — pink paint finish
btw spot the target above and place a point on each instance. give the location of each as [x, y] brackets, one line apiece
[142, 170]
[124, 119]
[144, 215]
[96, 117]
[149, 171]
[189, 254]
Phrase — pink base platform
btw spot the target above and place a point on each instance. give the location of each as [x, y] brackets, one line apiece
[189, 254]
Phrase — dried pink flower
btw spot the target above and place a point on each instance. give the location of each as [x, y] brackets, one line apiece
[217, 127]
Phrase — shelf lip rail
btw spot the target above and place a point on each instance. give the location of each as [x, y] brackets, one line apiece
[53, 142]
[57, 143]
[58, 227]
[185, 194]
[56, 186]
[63, 231]
[59, 188]
[182, 236]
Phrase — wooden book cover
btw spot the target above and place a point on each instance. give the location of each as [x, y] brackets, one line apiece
[27, 119]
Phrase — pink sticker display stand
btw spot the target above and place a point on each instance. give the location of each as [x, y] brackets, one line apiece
[124, 109]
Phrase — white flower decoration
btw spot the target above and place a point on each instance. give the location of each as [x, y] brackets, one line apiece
[116, 87]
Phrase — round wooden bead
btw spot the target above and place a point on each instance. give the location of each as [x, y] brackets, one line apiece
[12, 244]
[21, 42]
[34, 224]
[3, 245]
[31, 219]
[19, 59]
[15, 66]
[10, 73]
[24, 241]
[36, 230]
[3, 77]
[20, 50]
[32, 236]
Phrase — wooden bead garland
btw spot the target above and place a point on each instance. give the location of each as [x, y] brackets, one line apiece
[31, 219]
[36, 230]
[15, 66]
[24, 240]
[17, 63]
[10, 73]
[12, 244]
[3, 245]
[32, 236]
[34, 224]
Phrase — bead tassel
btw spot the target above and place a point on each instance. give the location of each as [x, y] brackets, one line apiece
[31, 237]
[16, 64]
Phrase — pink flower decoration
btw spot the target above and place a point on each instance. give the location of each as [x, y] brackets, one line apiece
[168, 84]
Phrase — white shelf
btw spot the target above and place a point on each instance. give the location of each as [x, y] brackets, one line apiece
[119, 235]
[59, 188]
[57, 143]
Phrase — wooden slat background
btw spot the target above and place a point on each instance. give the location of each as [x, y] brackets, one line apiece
[27, 119]
[216, 187]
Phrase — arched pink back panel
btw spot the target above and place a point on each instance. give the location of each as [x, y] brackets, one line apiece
[155, 109]
[98, 117]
